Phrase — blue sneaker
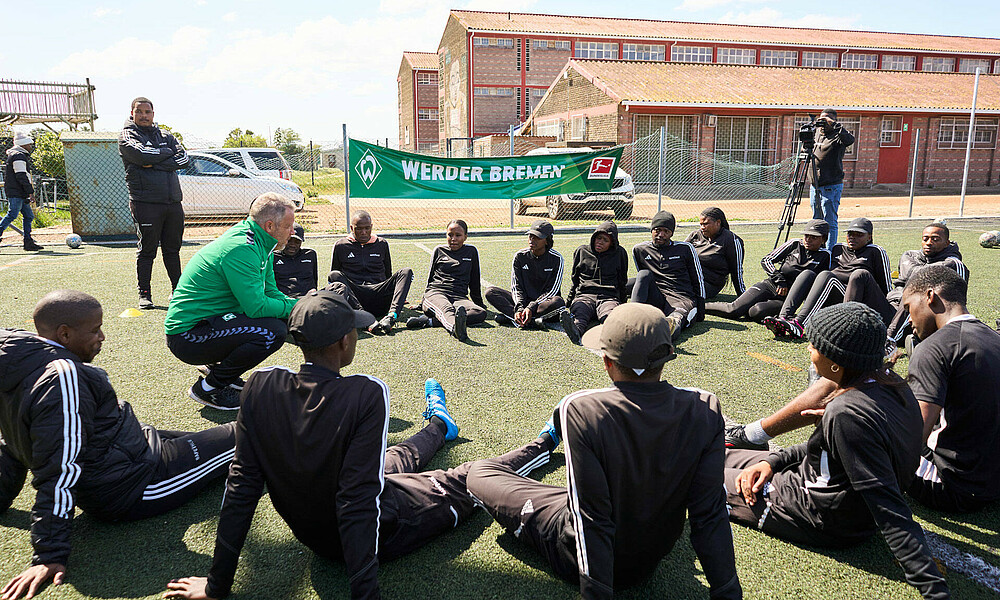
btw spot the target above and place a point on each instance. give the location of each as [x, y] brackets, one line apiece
[436, 407]
[550, 429]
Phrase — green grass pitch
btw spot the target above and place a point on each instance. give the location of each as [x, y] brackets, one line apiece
[500, 387]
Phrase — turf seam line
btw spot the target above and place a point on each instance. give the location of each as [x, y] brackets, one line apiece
[967, 564]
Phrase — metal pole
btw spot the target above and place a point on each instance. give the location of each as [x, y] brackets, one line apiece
[312, 163]
[968, 145]
[347, 183]
[913, 176]
[510, 137]
[659, 172]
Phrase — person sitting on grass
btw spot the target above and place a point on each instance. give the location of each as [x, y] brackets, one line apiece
[641, 458]
[669, 275]
[600, 277]
[317, 440]
[295, 269]
[720, 252]
[61, 419]
[453, 279]
[782, 266]
[811, 291]
[846, 482]
[535, 279]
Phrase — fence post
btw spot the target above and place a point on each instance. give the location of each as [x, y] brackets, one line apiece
[968, 144]
[659, 172]
[913, 176]
[312, 163]
[510, 137]
[347, 183]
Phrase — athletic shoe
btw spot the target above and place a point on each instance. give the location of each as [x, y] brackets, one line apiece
[146, 302]
[777, 326]
[236, 385]
[221, 398]
[503, 319]
[436, 407]
[736, 437]
[570, 326]
[540, 323]
[375, 328]
[418, 322]
[796, 331]
[550, 429]
[32, 246]
[460, 331]
[387, 323]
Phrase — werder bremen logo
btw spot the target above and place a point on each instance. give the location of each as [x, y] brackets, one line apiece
[368, 168]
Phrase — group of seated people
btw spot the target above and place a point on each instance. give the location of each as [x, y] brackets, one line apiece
[642, 456]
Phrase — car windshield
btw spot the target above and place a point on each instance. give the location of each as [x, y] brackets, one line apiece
[205, 166]
[232, 156]
[268, 161]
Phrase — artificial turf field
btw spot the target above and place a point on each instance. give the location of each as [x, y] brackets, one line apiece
[500, 387]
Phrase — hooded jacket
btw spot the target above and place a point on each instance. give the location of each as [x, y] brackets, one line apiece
[604, 274]
[17, 183]
[830, 143]
[61, 419]
[151, 158]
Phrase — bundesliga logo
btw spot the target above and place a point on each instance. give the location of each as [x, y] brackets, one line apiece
[601, 168]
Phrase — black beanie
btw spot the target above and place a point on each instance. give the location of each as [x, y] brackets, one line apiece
[664, 219]
[850, 334]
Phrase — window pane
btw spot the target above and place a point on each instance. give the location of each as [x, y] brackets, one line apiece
[781, 58]
[234, 157]
[969, 65]
[691, 54]
[892, 62]
[819, 59]
[939, 64]
[737, 56]
[860, 61]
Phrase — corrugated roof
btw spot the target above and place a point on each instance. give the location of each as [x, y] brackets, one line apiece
[744, 85]
[714, 32]
[421, 60]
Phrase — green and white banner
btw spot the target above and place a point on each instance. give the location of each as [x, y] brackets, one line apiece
[377, 172]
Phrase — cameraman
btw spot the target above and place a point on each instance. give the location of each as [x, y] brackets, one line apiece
[826, 178]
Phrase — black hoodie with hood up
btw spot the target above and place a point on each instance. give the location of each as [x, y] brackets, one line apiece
[602, 274]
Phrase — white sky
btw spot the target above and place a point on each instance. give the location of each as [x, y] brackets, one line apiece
[211, 66]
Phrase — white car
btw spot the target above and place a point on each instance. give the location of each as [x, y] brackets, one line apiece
[215, 186]
[561, 206]
[259, 161]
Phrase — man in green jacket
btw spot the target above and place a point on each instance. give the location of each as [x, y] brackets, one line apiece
[227, 312]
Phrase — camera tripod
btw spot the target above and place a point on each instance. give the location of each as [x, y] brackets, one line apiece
[804, 161]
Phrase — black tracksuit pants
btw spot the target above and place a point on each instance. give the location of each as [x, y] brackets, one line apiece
[863, 288]
[229, 347]
[418, 506]
[158, 226]
[643, 288]
[441, 307]
[810, 292]
[379, 298]
[503, 301]
[928, 489]
[758, 301]
[188, 462]
[590, 307]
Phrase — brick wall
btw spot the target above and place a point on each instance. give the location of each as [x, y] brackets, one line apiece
[544, 65]
[453, 82]
[407, 112]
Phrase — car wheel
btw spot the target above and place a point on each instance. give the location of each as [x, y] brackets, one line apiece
[557, 208]
[623, 210]
[520, 207]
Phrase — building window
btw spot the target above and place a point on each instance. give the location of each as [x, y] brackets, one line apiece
[681, 154]
[431, 147]
[969, 65]
[693, 54]
[427, 78]
[643, 52]
[547, 128]
[891, 134]
[954, 134]
[427, 114]
[819, 59]
[852, 124]
[488, 91]
[996, 66]
[480, 41]
[853, 60]
[538, 92]
[939, 64]
[779, 58]
[743, 141]
[495, 42]
[550, 44]
[578, 128]
[596, 50]
[737, 56]
[892, 62]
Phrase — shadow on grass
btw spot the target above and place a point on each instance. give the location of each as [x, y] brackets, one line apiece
[13, 517]
[219, 417]
[981, 527]
[396, 425]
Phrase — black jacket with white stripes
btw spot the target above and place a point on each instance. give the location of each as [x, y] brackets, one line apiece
[318, 441]
[785, 262]
[534, 279]
[61, 419]
[720, 258]
[640, 457]
[675, 267]
[604, 274]
[151, 158]
[456, 273]
[913, 260]
[872, 258]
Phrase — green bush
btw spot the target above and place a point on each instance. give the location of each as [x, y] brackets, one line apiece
[48, 154]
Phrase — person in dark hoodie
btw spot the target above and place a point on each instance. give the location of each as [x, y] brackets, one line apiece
[18, 189]
[535, 278]
[152, 157]
[295, 270]
[719, 250]
[600, 277]
[61, 419]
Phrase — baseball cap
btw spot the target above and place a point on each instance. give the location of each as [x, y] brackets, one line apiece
[322, 317]
[299, 233]
[634, 335]
[861, 225]
[817, 227]
[541, 229]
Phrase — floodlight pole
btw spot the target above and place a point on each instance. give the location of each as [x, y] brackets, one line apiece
[347, 183]
[659, 172]
[510, 137]
[968, 143]
[913, 171]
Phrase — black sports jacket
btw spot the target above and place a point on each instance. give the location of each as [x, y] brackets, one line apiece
[534, 279]
[296, 275]
[456, 273]
[604, 275]
[785, 262]
[720, 258]
[142, 146]
[362, 263]
[674, 265]
[16, 181]
[872, 258]
[830, 144]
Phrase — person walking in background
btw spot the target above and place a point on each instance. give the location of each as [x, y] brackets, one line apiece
[18, 189]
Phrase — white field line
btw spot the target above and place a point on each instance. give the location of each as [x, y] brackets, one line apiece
[430, 252]
[16, 262]
[971, 566]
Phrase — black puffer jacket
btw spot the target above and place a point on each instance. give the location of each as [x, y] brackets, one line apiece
[60, 419]
[151, 158]
[603, 275]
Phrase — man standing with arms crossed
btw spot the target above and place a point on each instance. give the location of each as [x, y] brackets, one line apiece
[152, 157]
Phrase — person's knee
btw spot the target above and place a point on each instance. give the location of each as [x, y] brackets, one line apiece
[643, 276]
[493, 293]
[335, 276]
[861, 276]
[405, 273]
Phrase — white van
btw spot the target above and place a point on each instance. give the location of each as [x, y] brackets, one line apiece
[212, 185]
[259, 161]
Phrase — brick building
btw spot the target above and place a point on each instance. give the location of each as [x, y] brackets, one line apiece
[417, 83]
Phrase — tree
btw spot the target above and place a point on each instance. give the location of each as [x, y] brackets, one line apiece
[177, 135]
[287, 141]
[48, 154]
[238, 138]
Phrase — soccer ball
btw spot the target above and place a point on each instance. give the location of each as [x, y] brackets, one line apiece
[990, 239]
[74, 241]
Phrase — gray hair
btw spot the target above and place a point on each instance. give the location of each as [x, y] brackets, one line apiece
[270, 206]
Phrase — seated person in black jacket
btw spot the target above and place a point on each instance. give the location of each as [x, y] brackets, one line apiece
[535, 279]
[600, 277]
[847, 481]
[295, 270]
[349, 498]
[60, 418]
[720, 252]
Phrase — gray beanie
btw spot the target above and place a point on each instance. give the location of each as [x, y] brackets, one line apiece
[850, 334]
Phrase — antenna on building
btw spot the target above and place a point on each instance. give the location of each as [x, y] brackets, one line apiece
[508, 16]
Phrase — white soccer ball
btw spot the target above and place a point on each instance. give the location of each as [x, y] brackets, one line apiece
[74, 241]
[990, 239]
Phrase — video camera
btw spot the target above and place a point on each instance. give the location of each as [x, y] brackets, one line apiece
[807, 133]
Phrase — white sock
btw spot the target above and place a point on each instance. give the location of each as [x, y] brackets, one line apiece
[755, 433]
[205, 386]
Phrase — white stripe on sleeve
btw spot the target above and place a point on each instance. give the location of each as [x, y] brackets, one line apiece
[69, 388]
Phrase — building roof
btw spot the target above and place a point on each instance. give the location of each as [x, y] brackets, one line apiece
[422, 60]
[715, 32]
[746, 86]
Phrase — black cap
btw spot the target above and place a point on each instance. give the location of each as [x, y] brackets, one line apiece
[322, 317]
[634, 335]
[861, 225]
[817, 227]
[664, 219]
[541, 229]
[298, 232]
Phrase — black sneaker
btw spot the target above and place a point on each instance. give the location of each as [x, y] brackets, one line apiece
[32, 246]
[418, 322]
[387, 323]
[566, 319]
[503, 319]
[146, 302]
[736, 437]
[225, 398]
[236, 385]
[375, 328]
[461, 333]
[777, 326]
